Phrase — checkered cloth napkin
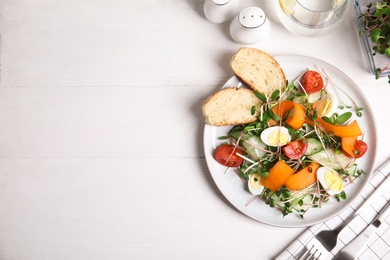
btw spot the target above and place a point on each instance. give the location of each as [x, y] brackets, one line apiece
[378, 246]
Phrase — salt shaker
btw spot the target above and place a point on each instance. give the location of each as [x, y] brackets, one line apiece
[250, 26]
[219, 11]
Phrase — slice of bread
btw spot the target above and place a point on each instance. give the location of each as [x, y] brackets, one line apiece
[230, 106]
[258, 70]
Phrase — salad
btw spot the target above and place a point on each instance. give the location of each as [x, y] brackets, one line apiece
[302, 150]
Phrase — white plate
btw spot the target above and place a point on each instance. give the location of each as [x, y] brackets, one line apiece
[233, 188]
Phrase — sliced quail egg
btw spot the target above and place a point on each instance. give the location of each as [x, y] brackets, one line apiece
[326, 106]
[275, 136]
[330, 181]
[313, 97]
[254, 184]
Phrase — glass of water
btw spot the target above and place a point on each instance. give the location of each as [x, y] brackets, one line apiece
[311, 18]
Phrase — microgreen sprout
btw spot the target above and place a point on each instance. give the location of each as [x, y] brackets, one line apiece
[253, 110]
[275, 95]
[359, 111]
[377, 26]
[337, 119]
[261, 96]
[341, 196]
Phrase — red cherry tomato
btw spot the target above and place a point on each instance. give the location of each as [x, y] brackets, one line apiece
[226, 155]
[360, 148]
[295, 149]
[312, 81]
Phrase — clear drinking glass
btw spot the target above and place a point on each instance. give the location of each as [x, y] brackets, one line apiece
[311, 17]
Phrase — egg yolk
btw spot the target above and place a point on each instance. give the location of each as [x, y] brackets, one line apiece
[255, 181]
[277, 138]
[324, 106]
[333, 181]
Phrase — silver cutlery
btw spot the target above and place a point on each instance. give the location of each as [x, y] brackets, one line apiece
[323, 242]
[356, 246]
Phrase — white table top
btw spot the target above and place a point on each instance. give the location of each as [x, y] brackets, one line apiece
[101, 153]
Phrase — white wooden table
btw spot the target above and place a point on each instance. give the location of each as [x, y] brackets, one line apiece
[101, 153]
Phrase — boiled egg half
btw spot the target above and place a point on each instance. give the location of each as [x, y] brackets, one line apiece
[330, 180]
[275, 136]
[254, 184]
[326, 106]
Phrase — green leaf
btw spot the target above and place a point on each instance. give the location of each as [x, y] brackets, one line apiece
[344, 118]
[378, 72]
[359, 111]
[375, 34]
[265, 118]
[386, 11]
[223, 137]
[248, 128]
[273, 115]
[253, 110]
[387, 51]
[264, 174]
[275, 95]
[328, 120]
[261, 96]
[341, 196]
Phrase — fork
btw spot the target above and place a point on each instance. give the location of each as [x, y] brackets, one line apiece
[323, 242]
[313, 250]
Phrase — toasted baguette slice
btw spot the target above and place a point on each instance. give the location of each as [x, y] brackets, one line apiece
[258, 70]
[230, 106]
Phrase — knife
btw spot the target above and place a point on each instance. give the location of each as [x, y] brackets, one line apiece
[356, 246]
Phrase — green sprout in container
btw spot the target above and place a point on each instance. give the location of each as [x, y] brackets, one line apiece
[377, 24]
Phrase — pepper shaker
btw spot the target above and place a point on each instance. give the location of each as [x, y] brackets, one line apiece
[219, 11]
[250, 26]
